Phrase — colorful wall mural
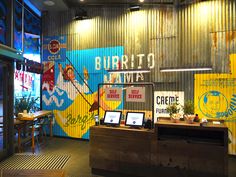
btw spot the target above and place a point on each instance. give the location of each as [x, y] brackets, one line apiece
[72, 92]
[151, 38]
[215, 98]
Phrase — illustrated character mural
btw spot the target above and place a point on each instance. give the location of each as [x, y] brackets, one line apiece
[212, 103]
[73, 97]
[215, 98]
[66, 81]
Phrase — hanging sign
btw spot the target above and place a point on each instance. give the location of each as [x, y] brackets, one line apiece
[113, 94]
[135, 94]
[163, 98]
[23, 79]
[54, 48]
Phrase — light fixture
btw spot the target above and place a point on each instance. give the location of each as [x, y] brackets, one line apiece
[49, 3]
[125, 71]
[82, 15]
[182, 69]
[133, 8]
[141, 1]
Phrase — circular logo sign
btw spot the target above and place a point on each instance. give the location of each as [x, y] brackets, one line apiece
[213, 104]
[54, 46]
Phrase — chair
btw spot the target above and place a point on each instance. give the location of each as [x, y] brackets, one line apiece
[40, 127]
[46, 122]
[38, 131]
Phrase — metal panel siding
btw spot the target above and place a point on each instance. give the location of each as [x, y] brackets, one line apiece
[198, 34]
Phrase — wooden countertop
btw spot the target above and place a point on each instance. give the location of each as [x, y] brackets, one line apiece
[36, 115]
[122, 132]
[183, 124]
[123, 128]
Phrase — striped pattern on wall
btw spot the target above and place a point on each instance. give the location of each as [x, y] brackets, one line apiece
[187, 35]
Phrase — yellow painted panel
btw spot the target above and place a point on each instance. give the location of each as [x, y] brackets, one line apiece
[76, 122]
[215, 98]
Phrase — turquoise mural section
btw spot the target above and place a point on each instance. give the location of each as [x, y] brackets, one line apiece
[73, 97]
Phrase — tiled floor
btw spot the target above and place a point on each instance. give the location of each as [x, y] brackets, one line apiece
[78, 165]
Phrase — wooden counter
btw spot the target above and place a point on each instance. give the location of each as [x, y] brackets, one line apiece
[198, 149]
[168, 149]
[116, 148]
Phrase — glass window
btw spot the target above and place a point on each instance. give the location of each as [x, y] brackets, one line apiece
[3, 21]
[25, 82]
[18, 26]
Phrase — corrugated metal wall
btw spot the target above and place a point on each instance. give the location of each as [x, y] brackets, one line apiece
[197, 34]
[185, 35]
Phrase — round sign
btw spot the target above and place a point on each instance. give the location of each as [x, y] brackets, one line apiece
[54, 46]
[213, 104]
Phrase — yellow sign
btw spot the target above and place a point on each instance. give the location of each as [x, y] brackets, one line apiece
[215, 98]
[75, 123]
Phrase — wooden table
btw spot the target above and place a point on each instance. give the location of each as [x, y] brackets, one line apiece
[36, 115]
[32, 173]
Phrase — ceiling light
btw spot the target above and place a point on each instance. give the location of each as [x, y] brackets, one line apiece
[134, 8]
[185, 69]
[49, 3]
[81, 16]
[141, 1]
[125, 71]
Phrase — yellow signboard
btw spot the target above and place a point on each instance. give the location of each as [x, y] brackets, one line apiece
[215, 98]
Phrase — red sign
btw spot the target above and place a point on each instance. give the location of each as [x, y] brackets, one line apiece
[24, 79]
[54, 46]
[113, 94]
[135, 94]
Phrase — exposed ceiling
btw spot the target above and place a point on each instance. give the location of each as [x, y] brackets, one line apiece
[62, 5]
[73, 3]
[59, 5]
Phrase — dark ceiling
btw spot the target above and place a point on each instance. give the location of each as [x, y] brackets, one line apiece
[61, 5]
[73, 3]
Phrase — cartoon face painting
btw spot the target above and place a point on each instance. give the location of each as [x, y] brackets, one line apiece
[69, 73]
[212, 104]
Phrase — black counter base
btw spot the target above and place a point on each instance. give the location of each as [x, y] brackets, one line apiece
[152, 172]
